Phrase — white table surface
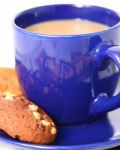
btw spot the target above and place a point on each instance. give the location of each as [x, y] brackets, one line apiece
[8, 9]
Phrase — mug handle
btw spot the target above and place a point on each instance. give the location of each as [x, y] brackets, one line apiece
[103, 103]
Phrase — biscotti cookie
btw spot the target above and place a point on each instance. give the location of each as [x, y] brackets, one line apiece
[9, 82]
[23, 120]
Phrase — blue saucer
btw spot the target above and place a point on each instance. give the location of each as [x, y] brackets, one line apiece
[102, 134]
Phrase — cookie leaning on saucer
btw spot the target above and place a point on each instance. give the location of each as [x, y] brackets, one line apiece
[23, 120]
[19, 117]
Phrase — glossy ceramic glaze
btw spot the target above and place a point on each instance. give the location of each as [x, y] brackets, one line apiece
[100, 135]
[64, 74]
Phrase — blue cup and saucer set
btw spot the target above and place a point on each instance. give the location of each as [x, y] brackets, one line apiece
[80, 72]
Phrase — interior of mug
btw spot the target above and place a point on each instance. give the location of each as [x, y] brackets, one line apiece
[56, 12]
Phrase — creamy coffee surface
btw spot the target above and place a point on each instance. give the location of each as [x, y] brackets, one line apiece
[66, 27]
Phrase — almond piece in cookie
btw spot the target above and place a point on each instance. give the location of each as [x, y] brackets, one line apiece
[23, 120]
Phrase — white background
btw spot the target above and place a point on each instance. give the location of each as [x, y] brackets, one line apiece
[8, 9]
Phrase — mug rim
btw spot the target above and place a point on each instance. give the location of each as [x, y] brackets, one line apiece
[65, 36]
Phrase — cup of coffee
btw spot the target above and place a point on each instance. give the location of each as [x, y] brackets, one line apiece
[68, 60]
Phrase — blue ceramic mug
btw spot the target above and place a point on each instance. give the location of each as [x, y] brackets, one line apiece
[74, 78]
